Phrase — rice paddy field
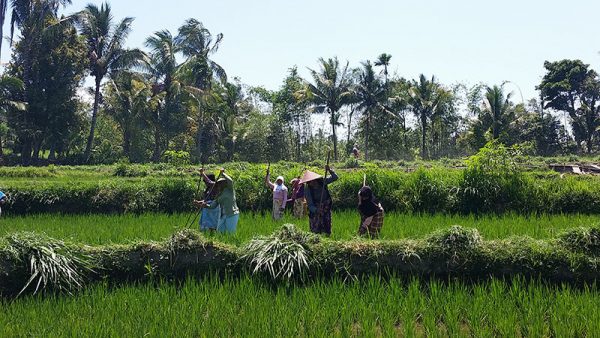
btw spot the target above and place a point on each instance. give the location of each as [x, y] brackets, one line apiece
[105, 229]
[370, 308]
[245, 306]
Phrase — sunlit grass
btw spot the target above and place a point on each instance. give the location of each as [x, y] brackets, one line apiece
[103, 229]
[372, 307]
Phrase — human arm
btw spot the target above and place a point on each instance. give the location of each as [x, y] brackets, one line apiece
[268, 182]
[207, 180]
[285, 200]
[334, 177]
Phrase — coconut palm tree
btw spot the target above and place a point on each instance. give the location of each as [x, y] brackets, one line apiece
[424, 97]
[9, 87]
[20, 10]
[127, 98]
[370, 95]
[383, 60]
[197, 44]
[330, 91]
[106, 49]
[497, 109]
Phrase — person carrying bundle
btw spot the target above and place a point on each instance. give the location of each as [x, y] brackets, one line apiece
[371, 213]
[298, 200]
[280, 194]
[225, 199]
[319, 200]
[209, 219]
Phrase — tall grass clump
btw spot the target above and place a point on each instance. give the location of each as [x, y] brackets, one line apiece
[51, 264]
[492, 181]
[456, 242]
[584, 240]
[285, 255]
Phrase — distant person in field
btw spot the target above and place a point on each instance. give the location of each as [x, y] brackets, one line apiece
[280, 195]
[3, 199]
[209, 219]
[319, 200]
[355, 152]
[297, 199]
[371, 213]
[225, 200]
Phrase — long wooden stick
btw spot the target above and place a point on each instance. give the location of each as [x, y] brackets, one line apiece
[208, 194]
[323, 188]
[364, 180]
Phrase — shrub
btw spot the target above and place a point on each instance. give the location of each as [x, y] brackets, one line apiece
[585, 240]
[176, 158]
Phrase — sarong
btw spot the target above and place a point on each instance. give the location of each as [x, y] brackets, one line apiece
[320, 221]
[300, 208]
[373, 229]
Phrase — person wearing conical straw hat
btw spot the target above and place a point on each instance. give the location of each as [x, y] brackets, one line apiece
[280, 194]
[319, 200]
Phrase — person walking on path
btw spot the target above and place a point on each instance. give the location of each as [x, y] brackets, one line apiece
[280, 195]
[225, 199]
[371, 213]
[319, 200]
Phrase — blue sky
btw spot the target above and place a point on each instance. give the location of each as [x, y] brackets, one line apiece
[461, 40]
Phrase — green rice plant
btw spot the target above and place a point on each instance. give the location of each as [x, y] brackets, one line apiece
[283, 255]
[585, 240]
[52, 264]
[456, 239]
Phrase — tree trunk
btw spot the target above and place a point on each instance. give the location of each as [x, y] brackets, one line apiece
[1, 150]
[90, 140]
[127, 142]
[26, 152]
[156, 152]
[423, 138]
[334, 136]
[52, 154]
[367, 136]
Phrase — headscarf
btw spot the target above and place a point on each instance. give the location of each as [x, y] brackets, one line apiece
[368, 204]
[279, 187]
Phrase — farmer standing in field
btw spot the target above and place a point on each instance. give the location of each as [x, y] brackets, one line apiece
[3, 199]
[319, 200]
[209, 219]
[371, 213]
[297, 199]
[225, 199]
[280, 194]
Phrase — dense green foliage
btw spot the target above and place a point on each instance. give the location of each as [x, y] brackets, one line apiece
[173, 98]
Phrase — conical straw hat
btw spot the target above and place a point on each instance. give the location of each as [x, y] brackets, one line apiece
[309, 176]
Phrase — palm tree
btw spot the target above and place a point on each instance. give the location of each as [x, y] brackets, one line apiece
[127, 98]
[497, 109]
[383, 60]
[424, 98]
[9, 87]
[20, 10]
[197, 44]
[370, 95]
[105, 43]
[330, 91]
[162, 68]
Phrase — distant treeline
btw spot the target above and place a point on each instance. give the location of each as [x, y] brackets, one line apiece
[171, 100]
